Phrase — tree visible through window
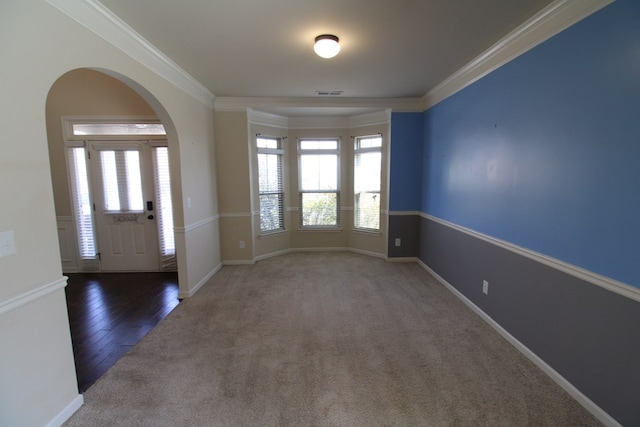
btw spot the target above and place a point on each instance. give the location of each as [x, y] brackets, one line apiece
[270, 186]
[319, 183]
[366, 182]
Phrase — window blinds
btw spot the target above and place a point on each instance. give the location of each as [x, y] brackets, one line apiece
[164, 208]
[82, 208]
[121, 180]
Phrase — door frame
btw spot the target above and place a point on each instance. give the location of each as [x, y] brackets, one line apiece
[71, 140]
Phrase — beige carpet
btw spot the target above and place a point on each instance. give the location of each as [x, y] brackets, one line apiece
[325, 339]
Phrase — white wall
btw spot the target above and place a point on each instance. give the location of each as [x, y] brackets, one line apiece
[39, 44]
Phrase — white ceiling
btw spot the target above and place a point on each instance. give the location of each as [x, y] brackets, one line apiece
[260, 48]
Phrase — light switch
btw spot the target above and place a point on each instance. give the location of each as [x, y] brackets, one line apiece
[7, 243]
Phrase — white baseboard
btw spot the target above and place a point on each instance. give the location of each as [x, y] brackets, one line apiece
[328, 249]
[273, 254]
[368, 253]
[239, 262]
[583, 400]
[67, 412]
[402, 259]
[321, 249]
[201, 283]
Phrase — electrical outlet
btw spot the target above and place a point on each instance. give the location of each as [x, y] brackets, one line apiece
[398, 241]
[241, 244]
[7, 243]
[485, 287]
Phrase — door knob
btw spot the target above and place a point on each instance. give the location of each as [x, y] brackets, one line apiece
[150, 217]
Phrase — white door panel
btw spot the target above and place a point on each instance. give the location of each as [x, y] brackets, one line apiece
[124, 195]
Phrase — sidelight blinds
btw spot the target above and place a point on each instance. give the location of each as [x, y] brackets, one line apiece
[164, 207]
[82, 207]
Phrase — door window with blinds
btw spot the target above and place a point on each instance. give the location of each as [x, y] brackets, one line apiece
[122, 181]
[270, 183]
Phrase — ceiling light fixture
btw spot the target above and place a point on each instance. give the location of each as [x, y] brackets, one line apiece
[327, 46]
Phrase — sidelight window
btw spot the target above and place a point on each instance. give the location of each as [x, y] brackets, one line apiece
[164, 205]
[81, 200]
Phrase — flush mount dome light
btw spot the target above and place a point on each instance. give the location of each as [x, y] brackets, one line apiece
[327, 46]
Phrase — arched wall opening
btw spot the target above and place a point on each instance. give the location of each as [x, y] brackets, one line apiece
[92, 93]
[94, 298]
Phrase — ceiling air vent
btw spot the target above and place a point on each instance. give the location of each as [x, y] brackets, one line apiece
[329, 92]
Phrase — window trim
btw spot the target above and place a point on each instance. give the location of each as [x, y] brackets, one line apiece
[84, 225]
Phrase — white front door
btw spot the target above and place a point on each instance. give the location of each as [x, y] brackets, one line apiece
[125, 216]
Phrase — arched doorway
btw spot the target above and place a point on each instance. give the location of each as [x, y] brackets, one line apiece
[102, 307]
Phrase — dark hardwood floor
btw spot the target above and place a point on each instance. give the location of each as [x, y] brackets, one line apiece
[110, 312]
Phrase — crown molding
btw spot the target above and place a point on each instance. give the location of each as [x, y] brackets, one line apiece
[370, 119]
[261, 118]
[320, 122]
[100, 20]
[341, 122]
[238, 104]
[556, 17]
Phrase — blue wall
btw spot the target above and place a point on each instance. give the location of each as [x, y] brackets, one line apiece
[406, 161]
[545, 151]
